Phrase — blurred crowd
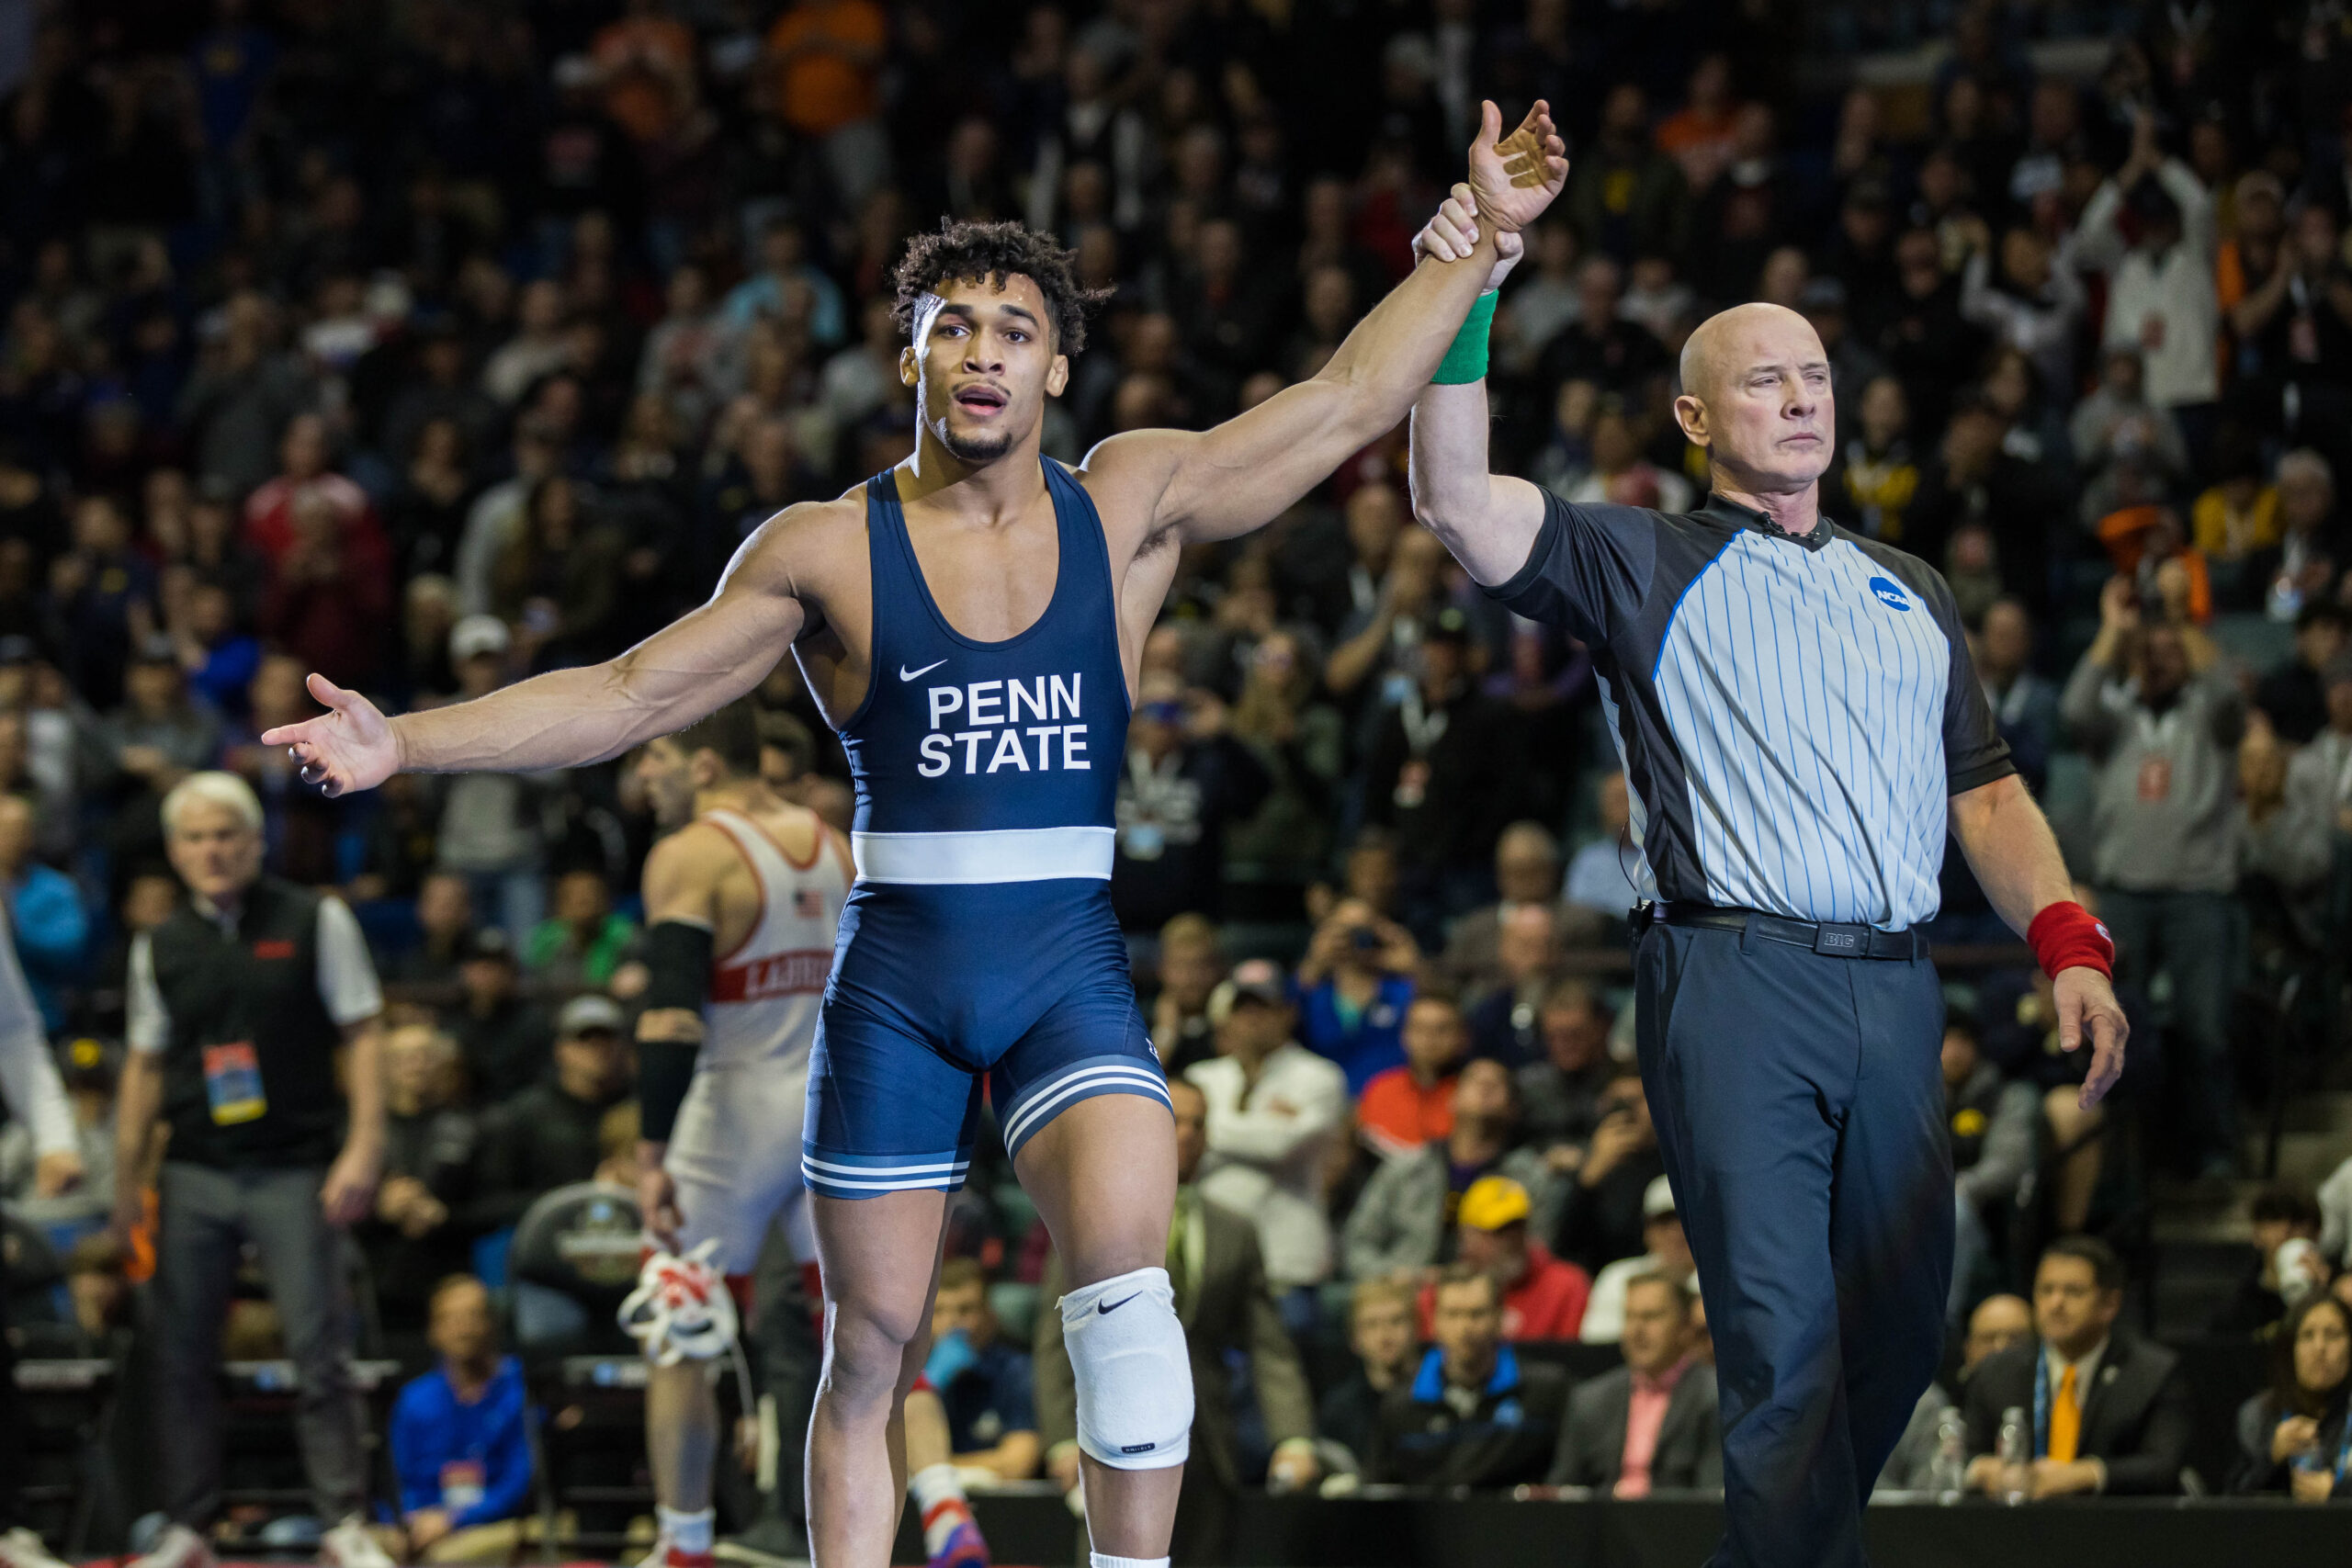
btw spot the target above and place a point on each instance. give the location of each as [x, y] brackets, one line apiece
[430, 345]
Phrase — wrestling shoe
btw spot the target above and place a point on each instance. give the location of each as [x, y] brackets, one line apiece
[178, 1547]
[352, 1544]
[962, 1548]
[22, 1548]
[668, 1553]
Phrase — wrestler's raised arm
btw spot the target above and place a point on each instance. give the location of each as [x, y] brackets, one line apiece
[1240, 475]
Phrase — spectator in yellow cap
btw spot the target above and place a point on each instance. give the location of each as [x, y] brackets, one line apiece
[1543, 1297]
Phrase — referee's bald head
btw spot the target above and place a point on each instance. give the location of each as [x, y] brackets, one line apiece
[1756, 394]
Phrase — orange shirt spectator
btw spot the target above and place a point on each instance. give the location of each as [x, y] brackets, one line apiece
[1405, 1108]
[1700, 136]
[828, 60]
[1399, 1113]
[647, 61]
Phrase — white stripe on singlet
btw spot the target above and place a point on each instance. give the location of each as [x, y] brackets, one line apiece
[1009, 854]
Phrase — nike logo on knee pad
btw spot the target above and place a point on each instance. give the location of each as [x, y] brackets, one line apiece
[1107, 1308]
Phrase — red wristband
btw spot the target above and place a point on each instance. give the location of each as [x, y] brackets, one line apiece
[2067, 936]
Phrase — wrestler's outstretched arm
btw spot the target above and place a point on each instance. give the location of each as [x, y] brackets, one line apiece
[1216, 483]
[568, 718]
[1488, 521]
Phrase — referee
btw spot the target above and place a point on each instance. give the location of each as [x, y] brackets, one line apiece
[1799, 723]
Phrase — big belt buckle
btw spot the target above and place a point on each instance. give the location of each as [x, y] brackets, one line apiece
[1842, 941]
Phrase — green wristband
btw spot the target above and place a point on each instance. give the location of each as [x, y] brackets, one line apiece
[1466, 360]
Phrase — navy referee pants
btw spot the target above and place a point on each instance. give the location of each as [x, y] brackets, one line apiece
[1799, 1100]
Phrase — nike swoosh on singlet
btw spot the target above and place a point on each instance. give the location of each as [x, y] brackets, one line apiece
[1107, 1308]
[907, 674]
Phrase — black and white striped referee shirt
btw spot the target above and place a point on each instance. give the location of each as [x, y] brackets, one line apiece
[1792, 713]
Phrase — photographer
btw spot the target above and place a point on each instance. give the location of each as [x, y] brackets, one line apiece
[2161, 721]
[1355, 985]
[1605, 1215]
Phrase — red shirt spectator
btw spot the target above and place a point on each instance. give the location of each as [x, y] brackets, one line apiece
[303, 473]
[329, 600]
[1544, 1298]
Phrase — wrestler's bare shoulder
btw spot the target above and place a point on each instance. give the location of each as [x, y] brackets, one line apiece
[803, 549]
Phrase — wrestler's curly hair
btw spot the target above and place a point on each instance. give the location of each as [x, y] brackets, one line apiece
[995, 251]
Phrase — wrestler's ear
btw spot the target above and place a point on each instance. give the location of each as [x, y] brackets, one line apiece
[909, 367]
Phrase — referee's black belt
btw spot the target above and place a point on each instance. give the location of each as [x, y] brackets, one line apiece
[1822, 937]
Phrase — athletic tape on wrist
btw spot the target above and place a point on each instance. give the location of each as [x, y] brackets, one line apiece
[2067, 936]
[1465, 361]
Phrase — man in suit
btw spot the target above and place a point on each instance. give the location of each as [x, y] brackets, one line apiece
[2109, 1412]
[1473, 1415]
[1219, 1278]
[1652, 1423]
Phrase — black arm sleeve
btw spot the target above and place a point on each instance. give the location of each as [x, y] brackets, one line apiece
[678, 956]
[665, 1070]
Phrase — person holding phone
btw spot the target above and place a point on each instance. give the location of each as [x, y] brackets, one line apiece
[1355, 985]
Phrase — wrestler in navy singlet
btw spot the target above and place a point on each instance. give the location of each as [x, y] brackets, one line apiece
[979, 939]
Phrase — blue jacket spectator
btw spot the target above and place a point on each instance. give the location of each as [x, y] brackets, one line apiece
[221, 660]
[986, 1384]
[1473, 1415]
[45, 908]
[461, 1441]
[1354, 988]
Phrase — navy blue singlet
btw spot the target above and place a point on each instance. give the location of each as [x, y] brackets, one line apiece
[978, 940]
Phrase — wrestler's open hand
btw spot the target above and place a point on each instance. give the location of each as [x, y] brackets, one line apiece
[349, 747]
[1453, 233]
[2088, 1010]
[1515, 177]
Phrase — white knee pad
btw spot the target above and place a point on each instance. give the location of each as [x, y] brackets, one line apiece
[1134, 1378]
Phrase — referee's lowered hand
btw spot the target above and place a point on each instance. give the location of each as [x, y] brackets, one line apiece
[2087, 1008]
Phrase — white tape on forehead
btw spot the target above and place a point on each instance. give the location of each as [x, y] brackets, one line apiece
[927, 310]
